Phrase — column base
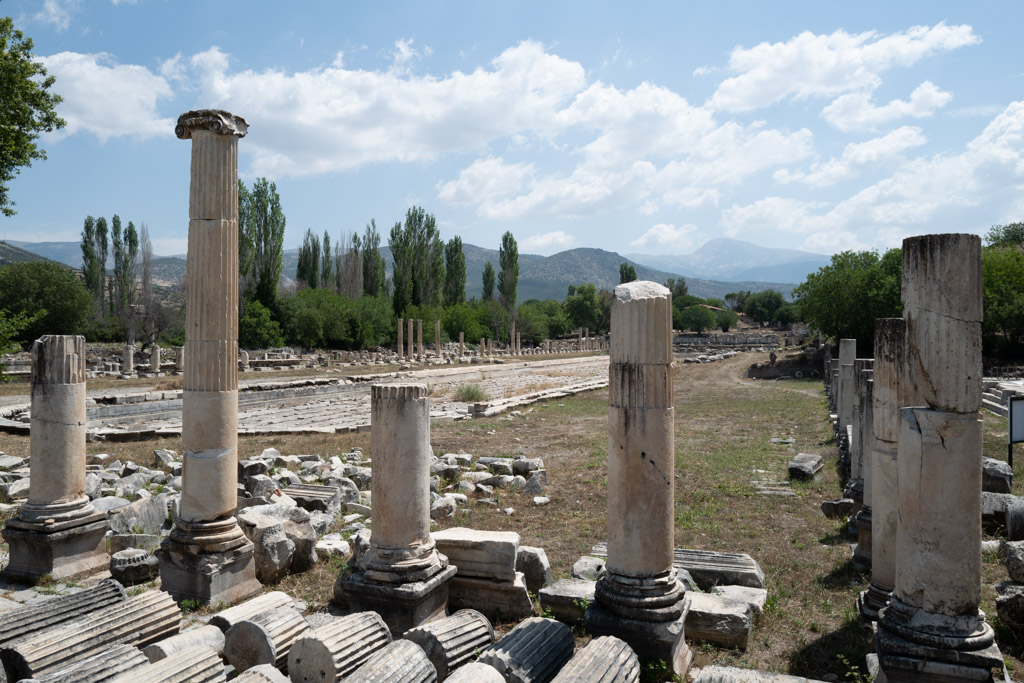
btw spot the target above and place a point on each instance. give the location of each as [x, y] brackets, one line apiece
[209, 577]
[402, 606]
[872, 600]
[862, 551]
[62, 550]
[652, 641]
[904, 661]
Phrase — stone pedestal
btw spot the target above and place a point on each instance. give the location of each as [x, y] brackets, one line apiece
[401, 576]
[638, 598]
[932, 629]
[206, 557]
[57, 532]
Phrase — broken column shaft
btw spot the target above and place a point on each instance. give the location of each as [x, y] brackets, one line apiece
[333, 651]
[639, 599]
[57, 532]
[264, 639]
[206, 557]
[401, 351]
[932, 629]
[453, 641]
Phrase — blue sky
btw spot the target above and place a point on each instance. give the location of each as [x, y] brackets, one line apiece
[635, 127]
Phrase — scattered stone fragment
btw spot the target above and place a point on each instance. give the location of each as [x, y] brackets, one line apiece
[119, 542]
[333, 547]
[804, 466]
[334, 650]
[101, 667]
[317, 498]
[709, 568]
[838, 509]
[541, 500]
[146, 516]
[587, 568]
[486, 554]
[475, 672]
[199, 664]
[452, 641]
[442, 507]
[250, 608]
[996, 476]
[567, 599]
[535, 650]
[205, 636]
[1015, 560]
[24, 621]
[533, 563]
[264, 673]
[1010, 604]
[602, 659]
[134, 566]
[754, 597]
[716, 619]
[272, 548]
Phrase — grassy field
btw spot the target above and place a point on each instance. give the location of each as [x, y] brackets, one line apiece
[724, 426]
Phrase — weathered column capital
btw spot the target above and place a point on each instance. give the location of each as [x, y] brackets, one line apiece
[213, 120]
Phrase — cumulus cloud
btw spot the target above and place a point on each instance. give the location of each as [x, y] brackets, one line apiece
[108, 99]
[856, 157]
[58, 13]
[855, 111]
[667, 238]
[548, 242]
[484, 181]
[810, 65]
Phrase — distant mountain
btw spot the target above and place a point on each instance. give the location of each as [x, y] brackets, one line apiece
[10, 254]
[540, 277]
[734, 261]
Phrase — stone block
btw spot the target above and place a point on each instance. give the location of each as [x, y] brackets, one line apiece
[273, 549]
[709, 568]
[498, 600]
[1010, 604]
[1015, 560]
[119, 542]
[717, 619]
[146, 516]
[567, 599]
[134, 566]
[402, 606]
[587, 568]
[754, 597]
[804, 466]
[996, 476]
[534, 565]
[838, 509]
[484, 554]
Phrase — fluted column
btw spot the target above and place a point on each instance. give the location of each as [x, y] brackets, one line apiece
[932, 628]
[400, 330]
[205, 522]
[58, 531]
[639, 597]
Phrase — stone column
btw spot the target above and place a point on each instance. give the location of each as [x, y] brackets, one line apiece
[400, 330]
[639, 599]
[401, 576]
[512, 339]
[437, 338]
[206, 557]
[57, 532]
[855, 446]
[844, 400]
[519, 343]
[462, 344]
[154, 360]
[410, 341]
[865, 440]
[179, 360]
[932, 629]
[421, 354]
[128, 366]
[884, 495]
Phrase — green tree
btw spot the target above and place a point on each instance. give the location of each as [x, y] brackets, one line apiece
[92, 269]
[736, 300]
[11, 328]
[373, 261]
[49, 288]
[261, 224]
[326, 263]
[126, 251]
[454, 272]
[308, 268]
[1011, 235]
[508, 277]
[487, 294]
[257, 329]
[418, 254]
[627, 273]
[1002, 325]
[726, 319]
[102, 250]
[464, 317]
[27, 108]
[582, 308]
[697, 318]
[762, 306]
[677, 287]
[843, 299]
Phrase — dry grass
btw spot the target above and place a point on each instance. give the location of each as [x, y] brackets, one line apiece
[723, 428]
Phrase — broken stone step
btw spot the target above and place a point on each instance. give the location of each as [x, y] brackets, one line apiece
[603, 659]
[336, 649]
[475, 672]
[22, 622]
[497, 600]
[567, 599]
[194, 665]
[204, 636]
[535, 650]
[484, 554]
[138, 621]
[709, 568]
[250, 608]
[403, 661]
[98, 668]
[452, 641]
[716, 619]
[264, 639]
[264, 673]
[804, 466]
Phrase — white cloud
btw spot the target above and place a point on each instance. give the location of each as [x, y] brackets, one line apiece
[108, 99]
[548, 242]
[58, 13]
[856, 157]
[667, 238]
[484, 181]
[855, 111]
[810, 65]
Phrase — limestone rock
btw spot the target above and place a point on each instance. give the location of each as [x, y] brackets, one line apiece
[718, 620]
[1015, 560]
[146, 516]
[442, 507]
[134, 566]
[333, 547]
[838, 509]
[587, 568]
[273, 550]
[754, 597]
[533, 563]
[567, 599]
[804, 466]
[996, 476]
[1010, 604]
